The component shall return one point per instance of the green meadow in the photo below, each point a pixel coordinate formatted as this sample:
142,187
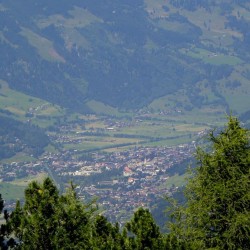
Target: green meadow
11,191
14,190
211,57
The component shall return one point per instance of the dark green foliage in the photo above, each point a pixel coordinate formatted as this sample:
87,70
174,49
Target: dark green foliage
16,136
5,230
51,221
146,233
217,212
107,236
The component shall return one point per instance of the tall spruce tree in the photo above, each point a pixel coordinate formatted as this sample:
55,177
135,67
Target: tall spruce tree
146,234
49,220
217,212
107,236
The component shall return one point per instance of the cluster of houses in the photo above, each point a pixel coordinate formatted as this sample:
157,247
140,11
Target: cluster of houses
123,180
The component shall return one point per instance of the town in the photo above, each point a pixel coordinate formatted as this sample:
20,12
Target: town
121,181
122,164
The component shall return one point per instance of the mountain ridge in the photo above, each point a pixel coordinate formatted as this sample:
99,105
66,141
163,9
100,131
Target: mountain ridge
125,55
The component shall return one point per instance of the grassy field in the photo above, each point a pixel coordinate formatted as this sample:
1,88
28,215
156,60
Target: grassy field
237,98
44,46
15,190
212,58
15,101
176,180
11,191
25,181
78,18
169,142
99,142
154,130
19,104
19,157
171,129
100,108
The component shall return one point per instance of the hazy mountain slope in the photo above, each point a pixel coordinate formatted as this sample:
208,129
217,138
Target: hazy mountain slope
127,54
18,137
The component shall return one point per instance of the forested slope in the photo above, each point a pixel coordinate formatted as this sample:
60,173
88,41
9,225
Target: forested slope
17,137
127,54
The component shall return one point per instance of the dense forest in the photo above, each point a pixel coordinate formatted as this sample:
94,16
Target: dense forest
16,136
215,215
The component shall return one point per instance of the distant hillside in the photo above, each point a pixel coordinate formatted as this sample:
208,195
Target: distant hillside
128,54
16,137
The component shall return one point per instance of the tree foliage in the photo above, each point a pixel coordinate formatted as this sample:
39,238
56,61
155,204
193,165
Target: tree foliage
49,220
147,233
5,240
217,212
108,236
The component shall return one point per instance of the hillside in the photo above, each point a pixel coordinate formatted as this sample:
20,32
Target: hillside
128,55
18,137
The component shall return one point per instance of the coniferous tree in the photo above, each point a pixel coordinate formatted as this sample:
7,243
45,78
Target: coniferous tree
107,236
146,233
49,220
5,240
217,212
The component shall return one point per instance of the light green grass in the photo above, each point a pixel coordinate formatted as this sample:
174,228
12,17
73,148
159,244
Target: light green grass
169,102
101,108
11,192
20,104
14,190
44,46
25,181
213,27
80,18
238,99
99,143
50,148
19,157
170,142
176,180
172,129
16,102
212,58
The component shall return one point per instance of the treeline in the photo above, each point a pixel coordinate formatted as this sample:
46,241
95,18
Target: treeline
215,215
16,136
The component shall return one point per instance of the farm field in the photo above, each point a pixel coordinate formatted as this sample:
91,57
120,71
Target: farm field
104,133
24,107
110,129
14,190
